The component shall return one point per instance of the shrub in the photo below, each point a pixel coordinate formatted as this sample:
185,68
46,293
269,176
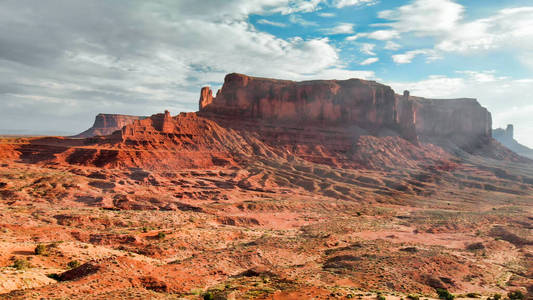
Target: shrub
21,264
475,246
161,235
516,295
413,297
473,295
41,250
497,296
444,294
74,264
209,296
381,297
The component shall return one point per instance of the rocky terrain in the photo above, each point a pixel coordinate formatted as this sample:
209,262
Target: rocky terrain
273,190
506,137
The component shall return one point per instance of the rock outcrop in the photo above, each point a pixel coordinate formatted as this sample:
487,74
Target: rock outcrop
463,122
325,103
367,105
106,124
506,137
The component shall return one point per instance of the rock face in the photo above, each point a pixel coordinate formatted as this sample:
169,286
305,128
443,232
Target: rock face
354,102
358,103
506,137
461,121
106,124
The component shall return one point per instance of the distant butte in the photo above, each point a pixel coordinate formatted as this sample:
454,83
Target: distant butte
106,124
506,137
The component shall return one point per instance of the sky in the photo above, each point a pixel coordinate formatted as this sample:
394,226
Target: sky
64,61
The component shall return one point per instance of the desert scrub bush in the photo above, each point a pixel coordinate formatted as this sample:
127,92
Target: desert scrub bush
21,264
74,264
209,296
473,295
495,297
161,235
380,297
41,250
444,294
413,297
516,295
475,246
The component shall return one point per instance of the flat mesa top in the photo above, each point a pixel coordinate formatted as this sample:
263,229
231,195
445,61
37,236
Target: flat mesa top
242,77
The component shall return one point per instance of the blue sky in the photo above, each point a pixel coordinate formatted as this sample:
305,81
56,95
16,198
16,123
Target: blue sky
61,62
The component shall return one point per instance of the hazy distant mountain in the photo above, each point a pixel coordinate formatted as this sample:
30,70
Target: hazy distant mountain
506,137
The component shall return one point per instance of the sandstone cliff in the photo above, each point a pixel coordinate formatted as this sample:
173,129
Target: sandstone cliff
463,122
106,124
325,103
354,103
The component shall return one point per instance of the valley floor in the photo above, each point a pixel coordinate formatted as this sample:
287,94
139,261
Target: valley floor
270,230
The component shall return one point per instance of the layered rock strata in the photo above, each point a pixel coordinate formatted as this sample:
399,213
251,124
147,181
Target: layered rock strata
362,106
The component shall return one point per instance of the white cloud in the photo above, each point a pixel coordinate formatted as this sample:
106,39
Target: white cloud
369,61
326,15
157,56
424,17
390,45
294,6
344,3
368,49
408,56
435,86
267,22
509,29
381,35
343,28
484,76
354,37
297,19
216,11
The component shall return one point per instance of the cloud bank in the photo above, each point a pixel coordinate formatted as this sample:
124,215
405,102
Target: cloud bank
61,62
